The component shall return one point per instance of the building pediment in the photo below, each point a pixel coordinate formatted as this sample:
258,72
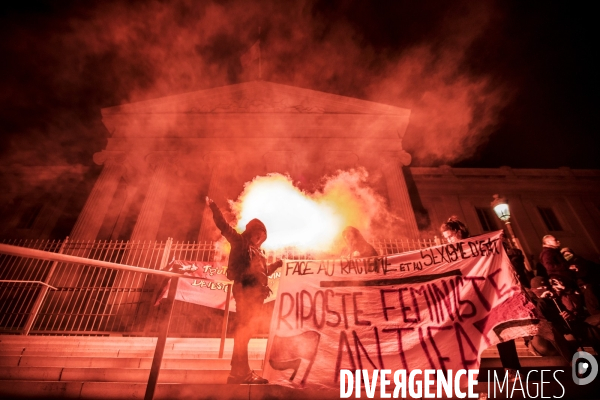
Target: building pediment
257,97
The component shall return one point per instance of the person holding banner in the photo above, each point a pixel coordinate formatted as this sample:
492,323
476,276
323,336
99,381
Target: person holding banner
586,277
247,267
563,307
356,245
454,230
544,298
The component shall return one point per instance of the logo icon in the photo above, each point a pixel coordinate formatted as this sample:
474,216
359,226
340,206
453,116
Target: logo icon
585,368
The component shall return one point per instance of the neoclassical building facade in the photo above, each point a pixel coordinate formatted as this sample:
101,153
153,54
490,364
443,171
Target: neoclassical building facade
179,148
164,155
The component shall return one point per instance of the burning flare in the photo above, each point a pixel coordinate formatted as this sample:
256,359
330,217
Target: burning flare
307,222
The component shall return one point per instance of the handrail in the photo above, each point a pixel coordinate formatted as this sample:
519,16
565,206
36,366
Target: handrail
66,258
40,282
164,328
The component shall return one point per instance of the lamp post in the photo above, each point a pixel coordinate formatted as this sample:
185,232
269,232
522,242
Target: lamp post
500,206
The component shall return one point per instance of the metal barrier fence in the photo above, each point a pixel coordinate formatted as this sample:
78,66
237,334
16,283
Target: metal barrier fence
57,298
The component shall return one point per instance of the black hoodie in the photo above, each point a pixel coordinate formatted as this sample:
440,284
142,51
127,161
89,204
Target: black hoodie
242,252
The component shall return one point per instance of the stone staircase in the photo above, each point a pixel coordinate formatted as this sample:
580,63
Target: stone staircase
117,367
78,367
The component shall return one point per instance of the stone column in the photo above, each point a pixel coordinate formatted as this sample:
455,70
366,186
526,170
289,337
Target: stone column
91,217
400,203
219,164
148,221
122,218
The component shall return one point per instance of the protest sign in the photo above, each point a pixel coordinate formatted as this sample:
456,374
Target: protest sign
437,308
208,285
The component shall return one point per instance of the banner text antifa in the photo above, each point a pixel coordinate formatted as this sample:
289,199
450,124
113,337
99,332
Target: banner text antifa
403,309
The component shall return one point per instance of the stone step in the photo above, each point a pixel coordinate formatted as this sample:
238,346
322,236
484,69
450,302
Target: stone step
116,343
135,391
104,352
139,375
527,362
207,364
125,354
89,339
6,349
167,391
164,391
211,345
115,340
115,350
116,362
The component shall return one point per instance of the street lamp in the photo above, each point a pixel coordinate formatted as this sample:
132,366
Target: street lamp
500,206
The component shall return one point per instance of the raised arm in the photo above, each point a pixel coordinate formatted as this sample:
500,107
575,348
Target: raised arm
273,267
230,234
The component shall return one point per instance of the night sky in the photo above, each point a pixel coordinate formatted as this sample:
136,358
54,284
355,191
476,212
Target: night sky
491,84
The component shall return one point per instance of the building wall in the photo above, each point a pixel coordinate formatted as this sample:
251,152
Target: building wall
42,202
572,196
165,155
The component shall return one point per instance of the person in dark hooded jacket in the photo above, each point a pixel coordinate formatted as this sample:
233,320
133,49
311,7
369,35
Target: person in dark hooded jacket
586,277
247,267
356,244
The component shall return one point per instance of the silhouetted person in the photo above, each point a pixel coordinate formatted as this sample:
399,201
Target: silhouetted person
247,267
356,245
454,230
563,307
555,266
545,299
517,259
585,277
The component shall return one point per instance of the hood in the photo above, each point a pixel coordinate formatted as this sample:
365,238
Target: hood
255,224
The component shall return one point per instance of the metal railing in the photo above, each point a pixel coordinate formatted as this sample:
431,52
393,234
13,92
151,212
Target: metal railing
90,300
94,290
29,253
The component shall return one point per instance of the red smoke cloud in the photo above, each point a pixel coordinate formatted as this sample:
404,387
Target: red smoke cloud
313,221
106,54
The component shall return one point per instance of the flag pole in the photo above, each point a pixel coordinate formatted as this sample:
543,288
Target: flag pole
259,61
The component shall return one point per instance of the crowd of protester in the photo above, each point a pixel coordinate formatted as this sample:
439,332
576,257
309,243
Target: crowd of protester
566,293
564,288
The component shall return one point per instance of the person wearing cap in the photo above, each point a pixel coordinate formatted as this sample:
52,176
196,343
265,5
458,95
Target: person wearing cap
357,246
584,276
247,267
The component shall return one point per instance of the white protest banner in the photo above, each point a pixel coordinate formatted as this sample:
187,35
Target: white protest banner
436,308
208,286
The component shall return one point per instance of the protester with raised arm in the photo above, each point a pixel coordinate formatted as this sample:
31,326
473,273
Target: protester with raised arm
247,267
